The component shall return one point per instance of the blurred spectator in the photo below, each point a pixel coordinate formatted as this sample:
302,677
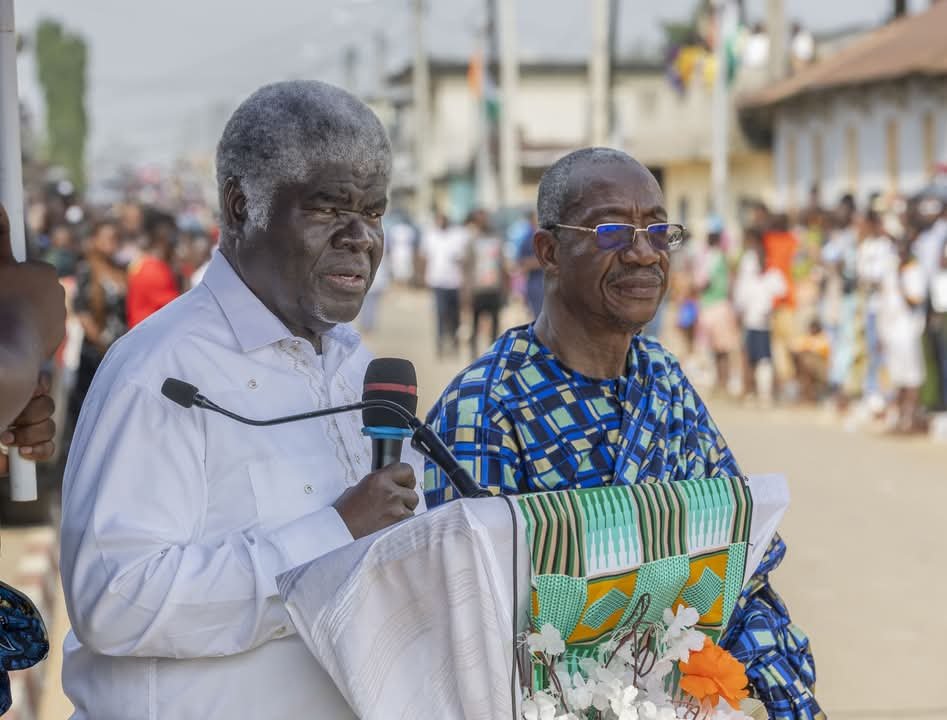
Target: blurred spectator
876,251
368,315
802,47
756,48
151,281
840,256
486,277
755,292
937,321
99,305
780,246
529,265
811,353
717,321
401,249
62,253
902,329
444,249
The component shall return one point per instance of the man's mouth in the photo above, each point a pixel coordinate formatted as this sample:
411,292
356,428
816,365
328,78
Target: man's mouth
641,285
349,281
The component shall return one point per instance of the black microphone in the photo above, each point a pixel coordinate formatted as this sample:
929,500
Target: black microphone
391,379
424,439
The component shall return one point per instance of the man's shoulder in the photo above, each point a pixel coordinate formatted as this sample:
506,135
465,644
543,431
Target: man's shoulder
167,340
656,360
489,376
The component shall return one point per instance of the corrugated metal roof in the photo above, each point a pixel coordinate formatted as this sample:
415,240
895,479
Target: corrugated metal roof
912,45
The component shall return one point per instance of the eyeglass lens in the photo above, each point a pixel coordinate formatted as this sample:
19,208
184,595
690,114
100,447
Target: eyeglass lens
662,236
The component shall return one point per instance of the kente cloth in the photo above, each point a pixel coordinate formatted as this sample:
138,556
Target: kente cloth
23,639
520,421
416,621
597,552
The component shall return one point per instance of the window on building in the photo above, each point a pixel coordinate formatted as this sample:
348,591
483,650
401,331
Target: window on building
851,158
929,131
792,171
891,154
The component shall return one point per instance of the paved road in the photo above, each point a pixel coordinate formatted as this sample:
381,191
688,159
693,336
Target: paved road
865,572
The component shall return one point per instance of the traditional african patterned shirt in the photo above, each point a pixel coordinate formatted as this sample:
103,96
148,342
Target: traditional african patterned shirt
520,421
23,640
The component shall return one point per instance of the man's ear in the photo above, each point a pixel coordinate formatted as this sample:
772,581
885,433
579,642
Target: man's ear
546,247
235,204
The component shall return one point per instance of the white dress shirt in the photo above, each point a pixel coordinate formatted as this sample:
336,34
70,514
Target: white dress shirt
176,522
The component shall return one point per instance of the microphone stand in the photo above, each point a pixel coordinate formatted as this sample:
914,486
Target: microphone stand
423,438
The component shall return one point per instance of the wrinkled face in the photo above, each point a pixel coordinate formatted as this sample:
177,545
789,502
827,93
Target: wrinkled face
624,286
317,257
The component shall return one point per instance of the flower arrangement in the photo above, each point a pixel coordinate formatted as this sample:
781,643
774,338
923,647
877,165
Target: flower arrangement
644,671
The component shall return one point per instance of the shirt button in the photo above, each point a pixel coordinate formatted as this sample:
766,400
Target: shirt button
308,489
252,384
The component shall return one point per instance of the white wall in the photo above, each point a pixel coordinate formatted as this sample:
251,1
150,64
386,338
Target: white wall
869,111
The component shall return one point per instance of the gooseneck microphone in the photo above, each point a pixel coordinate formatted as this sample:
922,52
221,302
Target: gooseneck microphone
391,379
423,438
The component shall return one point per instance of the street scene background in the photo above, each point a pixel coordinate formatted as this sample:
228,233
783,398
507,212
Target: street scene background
802,144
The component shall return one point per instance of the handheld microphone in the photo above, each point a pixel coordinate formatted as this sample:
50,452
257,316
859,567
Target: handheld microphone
423,438
392,379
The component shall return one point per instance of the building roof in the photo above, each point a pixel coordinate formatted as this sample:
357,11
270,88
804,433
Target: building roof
914,45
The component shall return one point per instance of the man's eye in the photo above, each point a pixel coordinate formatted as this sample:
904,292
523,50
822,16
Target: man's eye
326,212
373,215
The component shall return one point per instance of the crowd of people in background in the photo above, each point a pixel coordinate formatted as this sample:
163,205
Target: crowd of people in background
118,265
844,306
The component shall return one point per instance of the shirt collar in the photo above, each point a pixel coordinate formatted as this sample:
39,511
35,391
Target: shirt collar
252,323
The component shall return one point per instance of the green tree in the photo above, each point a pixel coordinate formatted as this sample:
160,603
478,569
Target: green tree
61,63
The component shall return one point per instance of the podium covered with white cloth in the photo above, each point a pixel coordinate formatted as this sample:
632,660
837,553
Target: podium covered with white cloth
417,621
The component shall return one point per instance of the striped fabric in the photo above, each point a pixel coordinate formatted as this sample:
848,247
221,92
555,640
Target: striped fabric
521,422
596,552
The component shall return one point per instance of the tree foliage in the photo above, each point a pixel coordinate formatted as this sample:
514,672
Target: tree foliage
61,64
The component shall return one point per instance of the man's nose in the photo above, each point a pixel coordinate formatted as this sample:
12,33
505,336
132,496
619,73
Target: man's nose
641,251
356,235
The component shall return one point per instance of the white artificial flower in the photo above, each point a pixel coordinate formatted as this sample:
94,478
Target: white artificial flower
683,619
623,704
579,696
548,640
680,648
607,687
648,710
539,707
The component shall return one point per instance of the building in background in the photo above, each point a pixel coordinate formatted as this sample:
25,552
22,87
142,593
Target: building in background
870,118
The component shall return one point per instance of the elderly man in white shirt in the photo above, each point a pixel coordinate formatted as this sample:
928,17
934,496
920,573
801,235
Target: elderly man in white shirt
175,522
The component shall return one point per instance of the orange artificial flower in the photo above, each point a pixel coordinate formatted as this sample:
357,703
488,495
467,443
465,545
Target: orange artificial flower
712,673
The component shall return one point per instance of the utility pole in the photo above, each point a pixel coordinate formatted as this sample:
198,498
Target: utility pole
484,170
598,73
776,29
614,130
350,68
422,109
725,16
509,77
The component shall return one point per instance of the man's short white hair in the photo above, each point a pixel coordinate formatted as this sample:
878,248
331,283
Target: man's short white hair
281,132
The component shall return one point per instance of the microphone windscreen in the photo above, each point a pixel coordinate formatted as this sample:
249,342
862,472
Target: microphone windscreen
179,391
392,379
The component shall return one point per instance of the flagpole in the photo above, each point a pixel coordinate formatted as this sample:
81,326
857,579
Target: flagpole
22,472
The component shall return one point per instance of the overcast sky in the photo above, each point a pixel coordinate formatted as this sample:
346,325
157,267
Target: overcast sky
165,74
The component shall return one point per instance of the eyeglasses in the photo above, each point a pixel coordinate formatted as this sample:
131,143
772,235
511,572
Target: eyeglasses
663,237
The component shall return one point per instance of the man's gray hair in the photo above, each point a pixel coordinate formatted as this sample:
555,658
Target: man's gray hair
553,194
282,131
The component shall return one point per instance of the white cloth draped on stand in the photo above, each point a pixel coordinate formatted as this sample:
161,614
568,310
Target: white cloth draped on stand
415,621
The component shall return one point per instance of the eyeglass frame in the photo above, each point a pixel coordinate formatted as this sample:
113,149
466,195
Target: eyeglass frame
636,230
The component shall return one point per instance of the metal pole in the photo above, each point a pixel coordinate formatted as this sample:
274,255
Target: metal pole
598,73
22,472
509,77
726,18
422,109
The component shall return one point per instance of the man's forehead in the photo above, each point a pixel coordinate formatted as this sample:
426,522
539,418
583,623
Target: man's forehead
334,177
624,185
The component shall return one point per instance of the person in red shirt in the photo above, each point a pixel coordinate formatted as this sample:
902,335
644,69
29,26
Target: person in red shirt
151,281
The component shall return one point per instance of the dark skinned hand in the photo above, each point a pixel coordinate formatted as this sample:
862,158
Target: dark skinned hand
33,430
380,499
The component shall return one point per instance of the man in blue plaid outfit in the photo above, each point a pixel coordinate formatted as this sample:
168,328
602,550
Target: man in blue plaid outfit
580,399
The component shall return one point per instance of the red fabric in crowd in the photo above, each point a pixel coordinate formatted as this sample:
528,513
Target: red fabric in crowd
151,286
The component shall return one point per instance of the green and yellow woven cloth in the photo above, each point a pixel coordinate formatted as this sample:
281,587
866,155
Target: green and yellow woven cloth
595,552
